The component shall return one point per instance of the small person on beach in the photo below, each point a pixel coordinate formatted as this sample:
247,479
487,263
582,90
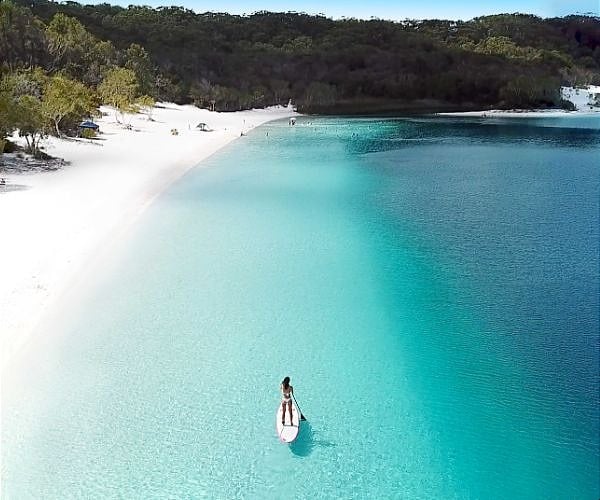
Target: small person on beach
286,398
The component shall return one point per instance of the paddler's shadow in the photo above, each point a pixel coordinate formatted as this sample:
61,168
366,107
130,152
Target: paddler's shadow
305,443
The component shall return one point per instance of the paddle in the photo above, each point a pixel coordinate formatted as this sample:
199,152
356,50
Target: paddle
302,417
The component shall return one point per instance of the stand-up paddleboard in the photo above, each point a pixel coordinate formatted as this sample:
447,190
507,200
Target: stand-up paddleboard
289,431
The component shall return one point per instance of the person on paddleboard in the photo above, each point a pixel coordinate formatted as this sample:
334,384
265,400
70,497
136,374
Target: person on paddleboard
286,398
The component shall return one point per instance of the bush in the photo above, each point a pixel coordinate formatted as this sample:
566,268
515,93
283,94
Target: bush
88,133
567,105
9,147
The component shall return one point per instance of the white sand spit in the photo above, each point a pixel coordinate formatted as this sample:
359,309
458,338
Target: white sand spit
53,223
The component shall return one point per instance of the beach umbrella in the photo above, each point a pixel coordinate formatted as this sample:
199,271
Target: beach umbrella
89,125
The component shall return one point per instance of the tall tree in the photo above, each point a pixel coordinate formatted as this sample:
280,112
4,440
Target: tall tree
72,47
119,89
102,58
6,126
138,60
63,97
30,121
23,92
22,38
145,103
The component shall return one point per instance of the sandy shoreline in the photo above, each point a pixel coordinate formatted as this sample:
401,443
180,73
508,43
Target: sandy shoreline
54,223
502,113
584,100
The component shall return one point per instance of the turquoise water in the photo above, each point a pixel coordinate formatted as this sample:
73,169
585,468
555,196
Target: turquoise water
429,284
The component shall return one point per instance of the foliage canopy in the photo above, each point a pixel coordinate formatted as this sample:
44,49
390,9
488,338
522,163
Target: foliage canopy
230,62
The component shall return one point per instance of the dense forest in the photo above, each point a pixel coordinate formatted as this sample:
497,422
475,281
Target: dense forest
63,59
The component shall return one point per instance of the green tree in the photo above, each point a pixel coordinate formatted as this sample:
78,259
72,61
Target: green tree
21,94
6,126
25,82
103,57
22,38
525,92
146,104
76,52
139,62
63,97
281,90
299,45
505,47
119,90
29,118
319,94
200,93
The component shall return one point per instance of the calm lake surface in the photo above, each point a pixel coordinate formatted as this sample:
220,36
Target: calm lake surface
429,284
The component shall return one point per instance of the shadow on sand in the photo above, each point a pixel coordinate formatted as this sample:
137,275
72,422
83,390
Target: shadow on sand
306,441
7,188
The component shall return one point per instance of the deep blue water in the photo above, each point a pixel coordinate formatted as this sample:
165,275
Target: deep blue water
430,284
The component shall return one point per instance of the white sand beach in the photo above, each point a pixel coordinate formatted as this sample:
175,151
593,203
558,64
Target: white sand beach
53,224
583,99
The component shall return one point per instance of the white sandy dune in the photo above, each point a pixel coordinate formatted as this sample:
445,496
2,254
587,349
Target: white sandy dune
53,223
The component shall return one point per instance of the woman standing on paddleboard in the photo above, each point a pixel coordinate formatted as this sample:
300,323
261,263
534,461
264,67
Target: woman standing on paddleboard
286,399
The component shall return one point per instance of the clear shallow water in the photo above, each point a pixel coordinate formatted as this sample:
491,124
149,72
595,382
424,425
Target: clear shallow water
430,285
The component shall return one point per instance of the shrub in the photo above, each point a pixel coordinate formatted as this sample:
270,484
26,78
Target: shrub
567,105
88,133
9,147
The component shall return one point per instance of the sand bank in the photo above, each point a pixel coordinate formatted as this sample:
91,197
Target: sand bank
53,223
586,101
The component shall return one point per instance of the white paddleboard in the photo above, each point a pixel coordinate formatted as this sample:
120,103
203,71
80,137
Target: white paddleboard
289,431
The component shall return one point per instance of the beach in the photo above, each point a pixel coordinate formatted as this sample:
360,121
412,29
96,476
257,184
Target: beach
54,224
583,99
384,220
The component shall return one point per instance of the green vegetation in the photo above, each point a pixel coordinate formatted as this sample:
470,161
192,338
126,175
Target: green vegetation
22,92
36,104
5,121
59,61
88,133
64,97
119,89
145,104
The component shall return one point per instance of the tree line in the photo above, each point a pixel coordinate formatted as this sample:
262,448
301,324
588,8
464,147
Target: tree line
64,59
56,74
